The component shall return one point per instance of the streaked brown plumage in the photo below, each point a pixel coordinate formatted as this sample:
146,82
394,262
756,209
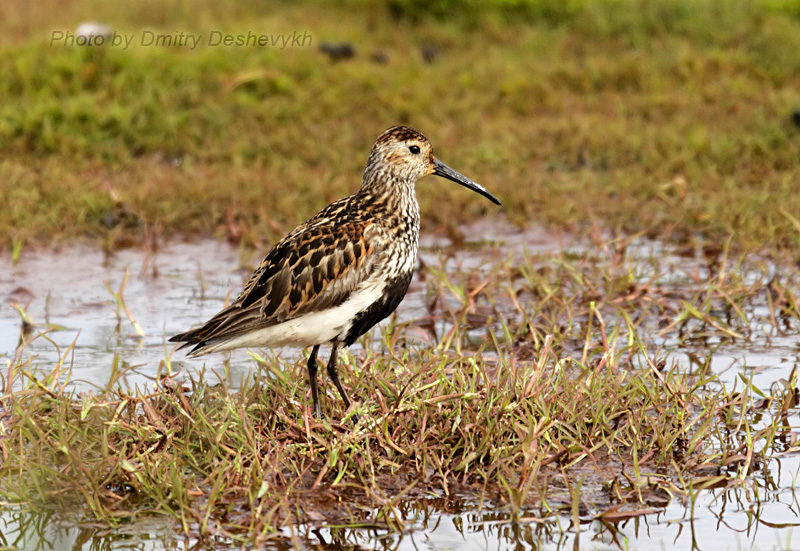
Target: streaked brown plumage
334,277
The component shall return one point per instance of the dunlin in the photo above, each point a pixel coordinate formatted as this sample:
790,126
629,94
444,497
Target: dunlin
333,278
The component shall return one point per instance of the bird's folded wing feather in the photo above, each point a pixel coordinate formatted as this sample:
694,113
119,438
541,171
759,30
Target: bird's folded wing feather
317,266
313,268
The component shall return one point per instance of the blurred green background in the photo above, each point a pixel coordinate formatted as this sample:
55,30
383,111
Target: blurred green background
673,118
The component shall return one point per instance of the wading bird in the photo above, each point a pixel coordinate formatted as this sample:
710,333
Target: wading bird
337,275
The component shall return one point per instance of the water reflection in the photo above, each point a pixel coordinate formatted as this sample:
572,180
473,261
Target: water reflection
23,530
720,519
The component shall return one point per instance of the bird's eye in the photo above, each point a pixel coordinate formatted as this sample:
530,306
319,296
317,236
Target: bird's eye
414,149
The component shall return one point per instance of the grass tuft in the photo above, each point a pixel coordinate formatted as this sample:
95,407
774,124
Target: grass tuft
545,388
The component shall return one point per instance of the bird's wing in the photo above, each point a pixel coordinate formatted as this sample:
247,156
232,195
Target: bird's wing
315,267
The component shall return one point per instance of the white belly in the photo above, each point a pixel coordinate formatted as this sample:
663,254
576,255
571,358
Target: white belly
310,329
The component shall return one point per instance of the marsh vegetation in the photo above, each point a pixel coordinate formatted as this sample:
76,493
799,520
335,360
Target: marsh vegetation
621,342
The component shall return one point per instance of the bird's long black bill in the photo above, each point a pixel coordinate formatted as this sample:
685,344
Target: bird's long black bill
441,169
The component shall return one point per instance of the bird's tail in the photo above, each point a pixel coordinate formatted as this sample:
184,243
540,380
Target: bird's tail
219,331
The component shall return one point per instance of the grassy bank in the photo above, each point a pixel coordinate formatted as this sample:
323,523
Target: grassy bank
551,388
670,118
546,394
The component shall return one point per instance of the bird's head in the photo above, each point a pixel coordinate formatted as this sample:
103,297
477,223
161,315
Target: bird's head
403,154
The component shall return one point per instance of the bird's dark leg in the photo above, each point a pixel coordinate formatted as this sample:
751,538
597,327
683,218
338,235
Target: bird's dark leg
333,372
312,375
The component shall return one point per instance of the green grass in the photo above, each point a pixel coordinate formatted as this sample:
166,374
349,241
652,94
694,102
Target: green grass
546,382
670,120
664,117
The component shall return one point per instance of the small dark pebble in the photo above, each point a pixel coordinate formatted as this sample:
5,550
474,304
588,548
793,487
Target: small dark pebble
338,52
120,215
796,118
429,53
380,58
110,219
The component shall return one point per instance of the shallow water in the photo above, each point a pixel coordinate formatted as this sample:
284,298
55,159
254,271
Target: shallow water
182,284
167,292
719,521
